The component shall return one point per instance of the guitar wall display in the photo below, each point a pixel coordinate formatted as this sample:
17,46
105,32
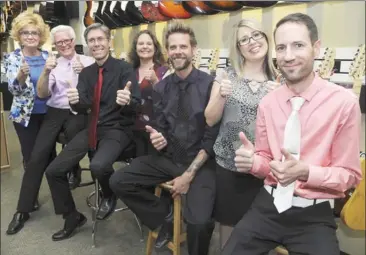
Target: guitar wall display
325,69
116,14
357,69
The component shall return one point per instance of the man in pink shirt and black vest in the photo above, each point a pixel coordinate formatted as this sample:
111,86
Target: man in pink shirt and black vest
306,148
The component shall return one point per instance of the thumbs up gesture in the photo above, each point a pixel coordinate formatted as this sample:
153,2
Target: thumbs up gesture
77,66
156,138
226,87
51,62
289,169
244,155
150,76
124,95
24,69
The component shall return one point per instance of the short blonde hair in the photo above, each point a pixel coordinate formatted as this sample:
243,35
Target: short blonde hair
28,18
237,60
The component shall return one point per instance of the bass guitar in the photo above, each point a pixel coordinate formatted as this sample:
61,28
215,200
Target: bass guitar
224,5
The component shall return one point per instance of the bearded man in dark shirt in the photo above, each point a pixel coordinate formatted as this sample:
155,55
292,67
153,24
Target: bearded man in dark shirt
185,144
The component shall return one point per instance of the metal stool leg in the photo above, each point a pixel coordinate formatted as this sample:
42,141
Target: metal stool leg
95,209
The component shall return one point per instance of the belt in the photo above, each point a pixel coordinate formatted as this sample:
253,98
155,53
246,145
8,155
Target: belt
300,201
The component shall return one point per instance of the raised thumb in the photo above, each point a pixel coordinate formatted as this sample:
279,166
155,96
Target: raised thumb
128,86
287,155
149,129
78,58
224,75
244,140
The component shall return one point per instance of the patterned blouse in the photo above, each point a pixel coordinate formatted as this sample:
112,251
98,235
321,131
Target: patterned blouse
239,114
24,95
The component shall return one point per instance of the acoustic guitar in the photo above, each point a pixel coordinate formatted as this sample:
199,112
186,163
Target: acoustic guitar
88,20
173,9
150,11
224,5
198,8
353,212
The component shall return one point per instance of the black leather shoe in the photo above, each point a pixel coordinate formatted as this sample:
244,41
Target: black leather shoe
75,178
107,207
36,206
17,223
70,226
166,232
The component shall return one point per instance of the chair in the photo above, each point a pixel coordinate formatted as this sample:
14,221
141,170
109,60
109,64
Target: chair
178,237
126,157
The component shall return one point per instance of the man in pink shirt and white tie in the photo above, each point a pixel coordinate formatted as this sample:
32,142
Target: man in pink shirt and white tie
306,148
58,76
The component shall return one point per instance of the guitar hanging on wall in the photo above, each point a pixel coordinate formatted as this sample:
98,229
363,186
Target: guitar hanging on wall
357,69
150,11
325,69
88,19
198,8
173,9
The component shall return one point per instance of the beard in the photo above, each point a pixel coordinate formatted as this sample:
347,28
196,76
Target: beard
185,64
297,76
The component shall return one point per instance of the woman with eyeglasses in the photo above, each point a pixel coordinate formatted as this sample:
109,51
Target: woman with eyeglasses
235,96
23,67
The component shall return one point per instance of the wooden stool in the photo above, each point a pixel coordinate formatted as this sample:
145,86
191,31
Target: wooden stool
281,250
178,237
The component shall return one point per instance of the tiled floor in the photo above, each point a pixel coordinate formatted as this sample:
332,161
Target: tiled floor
118,235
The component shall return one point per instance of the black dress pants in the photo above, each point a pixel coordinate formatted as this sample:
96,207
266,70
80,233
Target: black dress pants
133,184
310,230
44,150
111,143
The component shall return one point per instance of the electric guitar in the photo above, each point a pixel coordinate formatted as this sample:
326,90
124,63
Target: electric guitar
196,61
224,5
88,20
119,13
150,11
133,11
198,7
257,3
214,59
173,9
325,69
353,212
357,69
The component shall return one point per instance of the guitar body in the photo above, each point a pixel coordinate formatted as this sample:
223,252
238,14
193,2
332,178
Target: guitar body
224,5
173,9
88,20
151,12
134,13
108,19
353,212
198,7
256,3
120,14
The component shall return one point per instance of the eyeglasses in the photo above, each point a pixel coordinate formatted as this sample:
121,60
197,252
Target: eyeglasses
256,35
63,42
28,33
94,40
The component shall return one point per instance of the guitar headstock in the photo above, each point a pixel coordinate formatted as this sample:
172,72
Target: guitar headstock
214,59
196,61
111,50
357,68
325,69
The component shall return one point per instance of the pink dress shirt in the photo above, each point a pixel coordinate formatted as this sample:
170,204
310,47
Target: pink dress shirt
330,138
57,81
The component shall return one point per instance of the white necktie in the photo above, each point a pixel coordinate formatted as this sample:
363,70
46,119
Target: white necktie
283,195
